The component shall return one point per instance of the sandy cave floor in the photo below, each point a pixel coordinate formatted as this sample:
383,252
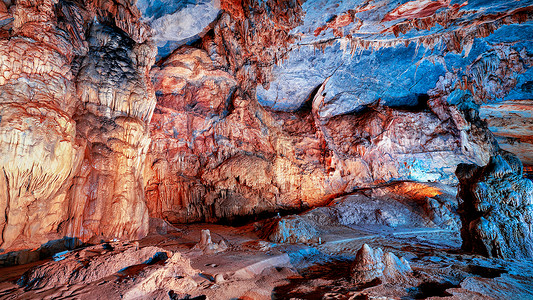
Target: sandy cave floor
252,268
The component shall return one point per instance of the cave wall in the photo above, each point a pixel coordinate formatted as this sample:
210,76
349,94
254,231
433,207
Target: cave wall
75,102
252,106
345,96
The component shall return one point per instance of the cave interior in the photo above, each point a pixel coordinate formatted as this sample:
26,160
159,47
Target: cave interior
266,149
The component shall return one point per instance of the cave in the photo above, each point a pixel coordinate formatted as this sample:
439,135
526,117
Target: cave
266,149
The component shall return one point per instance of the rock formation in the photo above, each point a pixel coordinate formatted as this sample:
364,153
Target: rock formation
75,102
117,98
510,121
174,275
405,204
293,229
261,106
162,271
496,209
373,264
40,152
89,264
207,246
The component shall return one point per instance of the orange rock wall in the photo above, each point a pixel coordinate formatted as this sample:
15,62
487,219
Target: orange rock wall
217,154
75,99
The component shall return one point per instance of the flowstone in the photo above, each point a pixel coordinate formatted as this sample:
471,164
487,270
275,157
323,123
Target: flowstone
496,209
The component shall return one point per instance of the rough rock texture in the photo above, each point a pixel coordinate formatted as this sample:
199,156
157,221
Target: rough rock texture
373,264
406,204
462,53
174,275
510,121
89,264
208,129
38,147
156,270
118,101
273,105
175,23
497,208
74,102
207,136
397,53
293,229
207,246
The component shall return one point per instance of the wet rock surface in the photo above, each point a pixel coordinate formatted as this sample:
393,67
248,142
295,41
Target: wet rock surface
496,208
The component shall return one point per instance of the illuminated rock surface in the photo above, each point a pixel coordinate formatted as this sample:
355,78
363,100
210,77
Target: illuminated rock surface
354,114
497,209
176,23
371,264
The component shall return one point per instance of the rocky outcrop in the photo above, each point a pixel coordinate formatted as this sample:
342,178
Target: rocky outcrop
371,264
39,149
207,246
161,270
75,98
397,53
510,121
293,229
276,105
174,275
206,141
496,209
406,204
89,264
118,101
176,23
217,154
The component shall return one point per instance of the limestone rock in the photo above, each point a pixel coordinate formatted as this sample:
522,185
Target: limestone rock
510,121
39,150
198,166
89,264
117,102
75,98
293,229
175,23
373,264
39,156
175,275
207,246
392,144
396,52
405,204
107,198
122,14
207,132
113,77
496,209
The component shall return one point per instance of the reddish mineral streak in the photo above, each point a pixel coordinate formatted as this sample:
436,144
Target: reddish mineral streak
417,9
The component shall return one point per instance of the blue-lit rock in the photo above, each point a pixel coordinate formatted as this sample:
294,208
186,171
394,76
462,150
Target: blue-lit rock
175,23
367,57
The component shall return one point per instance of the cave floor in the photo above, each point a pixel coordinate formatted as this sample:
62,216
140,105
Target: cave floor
252,268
